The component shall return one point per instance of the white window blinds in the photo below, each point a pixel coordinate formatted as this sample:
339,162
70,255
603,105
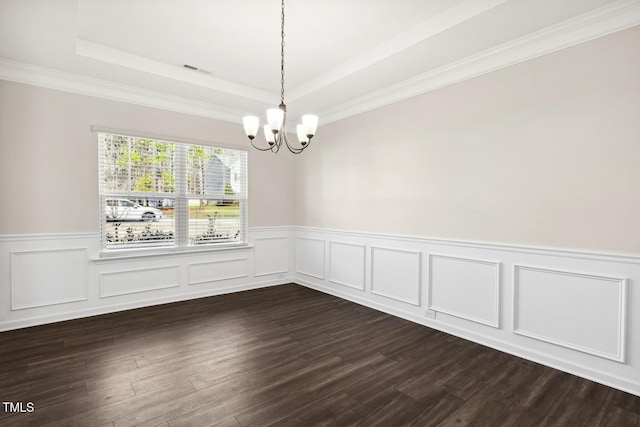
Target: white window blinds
160,193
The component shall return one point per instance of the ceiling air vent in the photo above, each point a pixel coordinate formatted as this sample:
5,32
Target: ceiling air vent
191,67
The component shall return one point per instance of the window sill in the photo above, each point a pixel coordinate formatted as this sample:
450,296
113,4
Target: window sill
126,254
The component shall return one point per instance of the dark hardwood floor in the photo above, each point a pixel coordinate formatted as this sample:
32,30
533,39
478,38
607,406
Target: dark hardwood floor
287,356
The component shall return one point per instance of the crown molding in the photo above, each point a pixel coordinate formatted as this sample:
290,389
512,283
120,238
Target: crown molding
433,26
612,18
118,57
69,82
615,17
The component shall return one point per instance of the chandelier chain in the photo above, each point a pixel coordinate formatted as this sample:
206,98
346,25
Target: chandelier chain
275,131
282,55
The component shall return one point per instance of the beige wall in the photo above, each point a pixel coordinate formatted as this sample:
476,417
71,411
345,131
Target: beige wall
544,153
48,159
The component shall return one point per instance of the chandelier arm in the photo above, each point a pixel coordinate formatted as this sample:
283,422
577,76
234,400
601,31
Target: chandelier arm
294,150
283,136
270,148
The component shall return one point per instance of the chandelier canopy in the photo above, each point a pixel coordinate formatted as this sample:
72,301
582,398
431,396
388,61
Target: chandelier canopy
275,130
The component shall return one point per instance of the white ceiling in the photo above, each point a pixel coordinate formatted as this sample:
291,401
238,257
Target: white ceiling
343,57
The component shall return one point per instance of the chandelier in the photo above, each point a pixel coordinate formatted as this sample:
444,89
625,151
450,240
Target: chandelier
275,130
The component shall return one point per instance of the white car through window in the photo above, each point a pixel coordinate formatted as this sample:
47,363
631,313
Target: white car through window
126,210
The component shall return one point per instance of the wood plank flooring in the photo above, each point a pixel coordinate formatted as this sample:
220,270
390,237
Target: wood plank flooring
286,356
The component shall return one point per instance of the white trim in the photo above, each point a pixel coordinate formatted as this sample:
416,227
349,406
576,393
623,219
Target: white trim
121,58
135,270
133,253
622,316
12,284
77,314
603,21
603,370
46,236
432,26
269,273
271,228
166,138
384,294
271,237
536,250
324,250
189,265
364,265
75,83
430,306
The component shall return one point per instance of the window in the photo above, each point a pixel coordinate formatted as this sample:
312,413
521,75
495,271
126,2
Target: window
167,194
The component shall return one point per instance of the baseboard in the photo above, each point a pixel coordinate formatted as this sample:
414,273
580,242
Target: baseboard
77,314
543,359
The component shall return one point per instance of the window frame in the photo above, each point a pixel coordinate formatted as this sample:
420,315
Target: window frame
181,238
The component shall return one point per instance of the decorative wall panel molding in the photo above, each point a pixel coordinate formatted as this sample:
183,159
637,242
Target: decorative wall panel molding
271,255
310,257
48,277
466,288
125,282
597,300
396,274
579,311
347,264
52,277
215,271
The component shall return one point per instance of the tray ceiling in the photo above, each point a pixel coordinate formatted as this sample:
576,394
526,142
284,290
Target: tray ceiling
343,57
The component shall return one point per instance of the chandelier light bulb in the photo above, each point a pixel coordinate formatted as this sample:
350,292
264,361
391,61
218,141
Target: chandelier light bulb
251,125
302,135
310,123
275,117
269,135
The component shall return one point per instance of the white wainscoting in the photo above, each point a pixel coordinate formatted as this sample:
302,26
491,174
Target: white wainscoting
124,282
598,325
347,264
529,302
571,310
310,257
272,255
466,288
396,274
48,278
215,271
